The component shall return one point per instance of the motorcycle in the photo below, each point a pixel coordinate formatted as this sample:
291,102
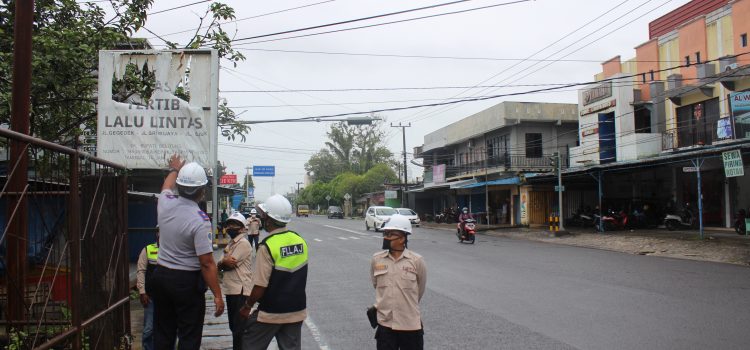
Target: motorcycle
581,219
739,222
439,218
468,233
674,222
615,221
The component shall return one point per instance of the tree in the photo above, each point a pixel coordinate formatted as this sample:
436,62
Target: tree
354,148
67,36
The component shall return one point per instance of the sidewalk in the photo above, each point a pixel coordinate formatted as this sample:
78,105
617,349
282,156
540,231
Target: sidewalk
720,245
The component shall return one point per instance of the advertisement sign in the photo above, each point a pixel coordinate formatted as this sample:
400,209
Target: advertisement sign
391,194
230,179
264,170
597,93
740,104
724,129
142,132
733,166
251,192
438,173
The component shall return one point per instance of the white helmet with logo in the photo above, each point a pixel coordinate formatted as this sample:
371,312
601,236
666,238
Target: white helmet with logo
278,208
237,216
192,175
253,211
398,222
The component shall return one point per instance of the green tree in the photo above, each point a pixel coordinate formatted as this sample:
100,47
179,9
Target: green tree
67,36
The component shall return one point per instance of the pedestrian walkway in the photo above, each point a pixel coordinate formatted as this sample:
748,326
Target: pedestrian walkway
216,333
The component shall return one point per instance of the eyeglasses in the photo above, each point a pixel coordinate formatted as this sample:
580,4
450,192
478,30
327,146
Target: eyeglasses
388,234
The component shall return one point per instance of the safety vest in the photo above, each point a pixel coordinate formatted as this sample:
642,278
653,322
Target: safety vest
152,253
286,287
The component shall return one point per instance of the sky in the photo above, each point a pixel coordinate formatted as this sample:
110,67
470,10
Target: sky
513,45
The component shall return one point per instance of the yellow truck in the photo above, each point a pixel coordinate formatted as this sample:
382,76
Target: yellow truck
303,210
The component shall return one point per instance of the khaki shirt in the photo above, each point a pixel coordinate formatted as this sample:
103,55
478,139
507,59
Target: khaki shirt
140,275
399,286
238,280
262,275
253,226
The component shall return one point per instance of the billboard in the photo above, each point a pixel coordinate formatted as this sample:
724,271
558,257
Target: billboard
740,103
264,170
142,132
229,179
438,173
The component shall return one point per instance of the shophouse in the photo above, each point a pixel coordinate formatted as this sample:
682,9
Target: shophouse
480,162
653,123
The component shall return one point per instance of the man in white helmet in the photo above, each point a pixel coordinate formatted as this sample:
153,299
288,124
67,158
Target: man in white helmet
399,276
279,278
253,228
185,264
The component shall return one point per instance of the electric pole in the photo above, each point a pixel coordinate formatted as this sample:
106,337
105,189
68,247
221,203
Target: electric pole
296,198
403,136
557,163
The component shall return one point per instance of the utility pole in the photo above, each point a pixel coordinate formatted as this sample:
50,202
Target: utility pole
557,162
17,212
247,184
403,135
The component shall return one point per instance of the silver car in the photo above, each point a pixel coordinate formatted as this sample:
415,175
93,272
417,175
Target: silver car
376,216
413,217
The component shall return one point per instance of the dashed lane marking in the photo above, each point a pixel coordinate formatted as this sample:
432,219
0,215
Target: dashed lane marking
316,333
347,230
317,240
352,237
342,238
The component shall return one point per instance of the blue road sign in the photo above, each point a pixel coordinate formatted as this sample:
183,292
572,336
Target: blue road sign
264,170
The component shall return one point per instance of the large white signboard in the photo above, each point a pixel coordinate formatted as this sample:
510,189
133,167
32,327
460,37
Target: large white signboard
143,133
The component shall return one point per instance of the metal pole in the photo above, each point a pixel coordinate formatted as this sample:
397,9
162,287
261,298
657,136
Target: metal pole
16,244
74,239
486,187
601,224
560,190
698,163
403,136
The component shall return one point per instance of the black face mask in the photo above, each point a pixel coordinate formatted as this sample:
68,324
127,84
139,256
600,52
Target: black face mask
386,244
233,232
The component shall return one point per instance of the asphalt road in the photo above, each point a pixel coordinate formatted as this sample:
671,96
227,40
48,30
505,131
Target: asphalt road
513,294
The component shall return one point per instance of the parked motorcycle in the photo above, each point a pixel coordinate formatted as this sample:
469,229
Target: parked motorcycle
581,219
686,220
739,222
468,233
615,221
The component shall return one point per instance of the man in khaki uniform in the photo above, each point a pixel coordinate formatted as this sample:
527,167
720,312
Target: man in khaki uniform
253,228
237,264
399,277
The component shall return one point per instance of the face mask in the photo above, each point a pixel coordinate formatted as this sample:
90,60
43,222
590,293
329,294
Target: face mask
233,232
386,244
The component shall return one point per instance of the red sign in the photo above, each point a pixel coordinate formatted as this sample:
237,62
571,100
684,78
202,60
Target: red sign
230,179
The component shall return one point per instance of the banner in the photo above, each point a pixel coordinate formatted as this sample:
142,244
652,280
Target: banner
264,170
229,179
740,103
142,132
438,173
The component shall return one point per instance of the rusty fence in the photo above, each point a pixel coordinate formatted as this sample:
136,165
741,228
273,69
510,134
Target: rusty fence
64,267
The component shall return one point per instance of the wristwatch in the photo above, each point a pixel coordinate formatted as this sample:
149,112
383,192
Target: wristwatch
171,169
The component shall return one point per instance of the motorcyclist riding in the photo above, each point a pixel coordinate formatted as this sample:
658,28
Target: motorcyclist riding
465,215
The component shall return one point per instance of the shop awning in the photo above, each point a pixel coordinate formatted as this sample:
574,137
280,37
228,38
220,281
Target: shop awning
462,183
508,181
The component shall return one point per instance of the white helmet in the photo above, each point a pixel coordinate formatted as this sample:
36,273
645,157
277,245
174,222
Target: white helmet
192,175
237,216
253,211
398,222
278,208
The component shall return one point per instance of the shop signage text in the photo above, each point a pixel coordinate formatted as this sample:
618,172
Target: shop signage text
229,179
733,166
597,93
599,107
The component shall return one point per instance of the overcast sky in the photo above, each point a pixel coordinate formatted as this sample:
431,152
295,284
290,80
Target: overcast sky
502,35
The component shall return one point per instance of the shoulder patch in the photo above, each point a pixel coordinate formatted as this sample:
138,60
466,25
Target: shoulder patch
203,215
172,196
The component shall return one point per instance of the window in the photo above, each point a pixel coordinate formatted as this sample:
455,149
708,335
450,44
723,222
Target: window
534,145
743,40
698,57
687,60
642,120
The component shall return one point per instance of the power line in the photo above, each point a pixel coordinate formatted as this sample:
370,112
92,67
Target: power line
375,25
350,21
360,54
252,17
176,7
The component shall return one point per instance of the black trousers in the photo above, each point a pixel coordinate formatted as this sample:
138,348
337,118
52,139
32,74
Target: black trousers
253,240
236,323
180,305
388,339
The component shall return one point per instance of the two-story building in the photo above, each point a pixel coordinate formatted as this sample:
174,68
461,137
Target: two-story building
480,162
651,122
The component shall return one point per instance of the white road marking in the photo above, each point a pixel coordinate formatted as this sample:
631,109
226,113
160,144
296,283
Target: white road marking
352,237
343,238
346,229
316,333
373,236
317,240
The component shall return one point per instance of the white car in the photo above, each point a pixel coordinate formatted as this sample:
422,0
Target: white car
375,217
413,217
